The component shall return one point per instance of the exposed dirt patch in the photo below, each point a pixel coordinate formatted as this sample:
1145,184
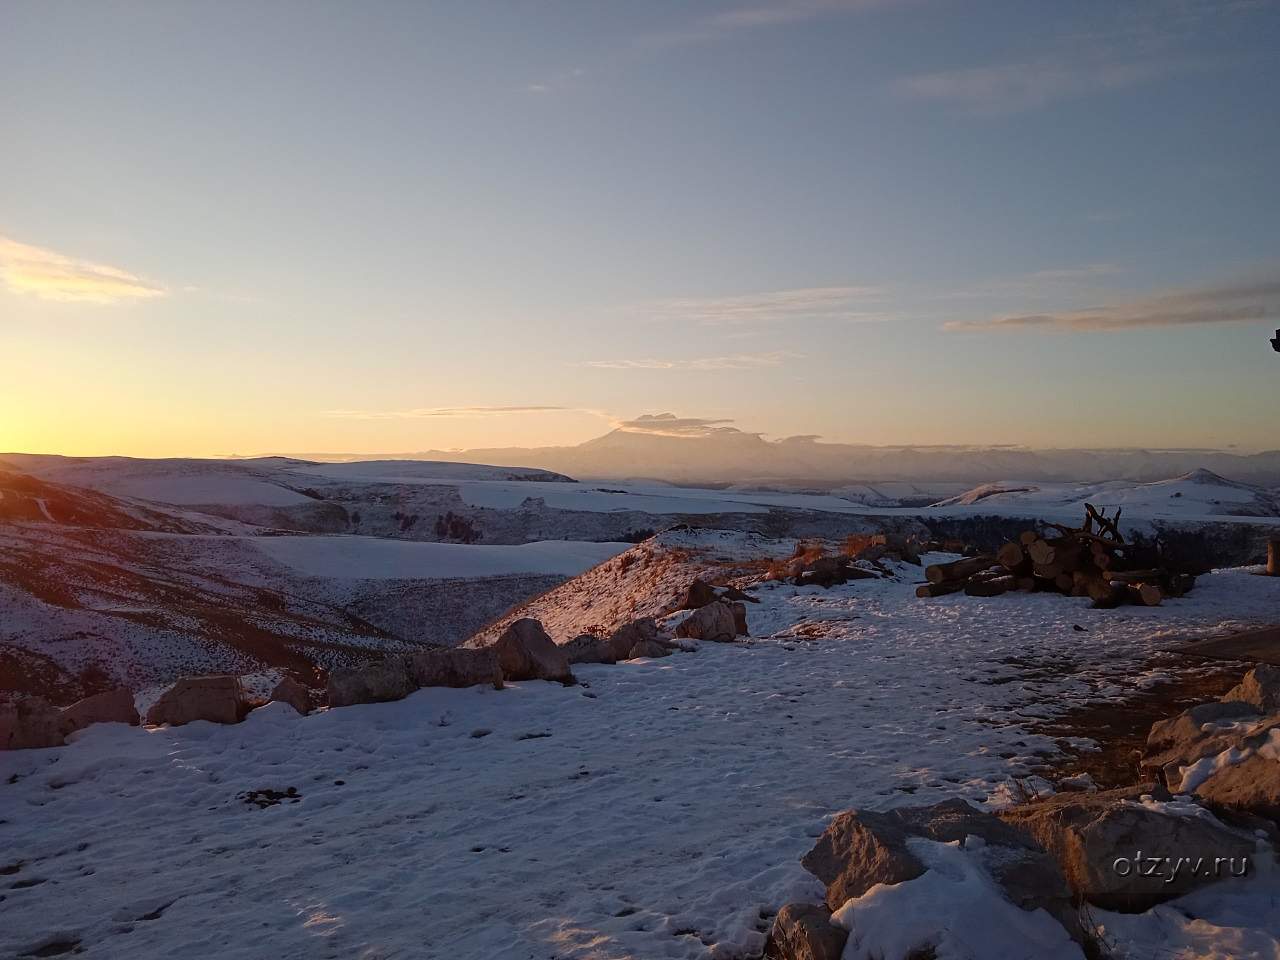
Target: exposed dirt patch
1120,728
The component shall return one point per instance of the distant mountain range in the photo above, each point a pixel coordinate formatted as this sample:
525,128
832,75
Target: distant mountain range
729,456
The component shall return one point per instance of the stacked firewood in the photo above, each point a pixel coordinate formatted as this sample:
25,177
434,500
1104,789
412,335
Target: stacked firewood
1090,561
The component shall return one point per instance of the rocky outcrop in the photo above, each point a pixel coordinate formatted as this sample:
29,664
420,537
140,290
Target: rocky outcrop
290,691
395,677
862,848
830,572
32,724
218,699
455,667
804,931
111,706
526,652
1225,753
623,640
588,648
718,622
699,594
1260,689
1204,730
1120,854
378,681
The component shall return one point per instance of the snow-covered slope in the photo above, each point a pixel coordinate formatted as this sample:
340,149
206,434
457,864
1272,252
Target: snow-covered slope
96,589
1199,493
660,810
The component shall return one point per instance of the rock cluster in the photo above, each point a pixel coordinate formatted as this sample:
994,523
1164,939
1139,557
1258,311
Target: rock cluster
524,651
1225,753
33,723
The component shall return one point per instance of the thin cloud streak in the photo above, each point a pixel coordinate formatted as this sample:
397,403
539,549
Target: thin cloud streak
740,361
428,413
776,13
1013,87
809,303
1039,284
1249,301
48,275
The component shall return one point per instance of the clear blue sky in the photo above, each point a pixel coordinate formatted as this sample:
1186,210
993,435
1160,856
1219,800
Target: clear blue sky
247,227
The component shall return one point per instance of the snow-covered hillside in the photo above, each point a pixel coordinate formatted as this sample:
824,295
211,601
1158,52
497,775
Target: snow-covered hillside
1197,494
658,810
97,589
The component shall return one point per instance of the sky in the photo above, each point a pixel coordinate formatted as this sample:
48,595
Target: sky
243,228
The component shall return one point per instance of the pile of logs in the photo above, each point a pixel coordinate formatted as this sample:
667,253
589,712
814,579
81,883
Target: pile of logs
1091,561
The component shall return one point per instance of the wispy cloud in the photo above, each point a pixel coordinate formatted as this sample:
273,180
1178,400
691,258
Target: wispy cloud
557,81
1248,301
810,303
428,413
769,13
669,425
1038,284
48,275
790,11
1011,87
737,361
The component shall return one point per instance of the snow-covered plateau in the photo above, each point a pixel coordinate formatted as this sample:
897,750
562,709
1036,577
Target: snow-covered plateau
657,809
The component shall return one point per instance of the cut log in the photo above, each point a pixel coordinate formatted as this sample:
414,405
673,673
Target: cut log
1011,556
939,589
989,586
1136,576
1144,594
1040,552
958,569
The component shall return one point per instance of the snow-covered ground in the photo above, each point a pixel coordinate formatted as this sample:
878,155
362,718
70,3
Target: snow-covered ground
376,558
658,810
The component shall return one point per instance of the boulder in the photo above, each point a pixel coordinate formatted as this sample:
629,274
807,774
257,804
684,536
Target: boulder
623,640
649,648
219,699
112,706
526,652
862,848
1204,730
1260,689
1183,749
715,622
699,594
1119,854
458,667
290,691
32,724
804,931
377,681
1250,786
589,649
